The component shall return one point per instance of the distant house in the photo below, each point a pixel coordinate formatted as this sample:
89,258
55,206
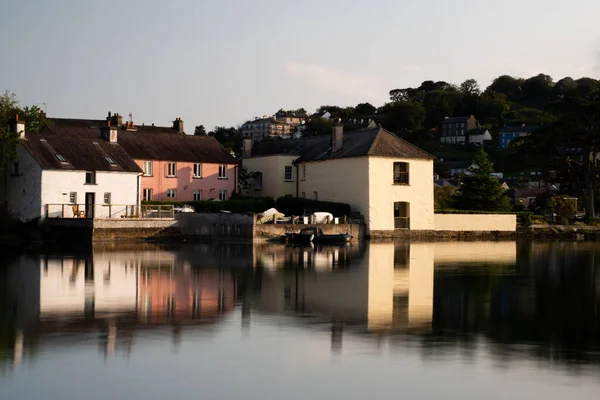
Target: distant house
526,196
176,166
388,180
69,171
265,127
456,129
510,133
478,136
292,119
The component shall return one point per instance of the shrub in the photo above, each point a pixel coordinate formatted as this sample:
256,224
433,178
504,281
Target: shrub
297,206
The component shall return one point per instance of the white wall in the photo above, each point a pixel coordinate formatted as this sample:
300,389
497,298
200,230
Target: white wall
56,186
23,192
273,175
476,222
345,180
383,193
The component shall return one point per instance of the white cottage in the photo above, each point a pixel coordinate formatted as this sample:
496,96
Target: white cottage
388,180
69,171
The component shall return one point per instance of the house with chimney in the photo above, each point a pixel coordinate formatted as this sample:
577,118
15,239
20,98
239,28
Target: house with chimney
385,178
175,166
69,171
463,130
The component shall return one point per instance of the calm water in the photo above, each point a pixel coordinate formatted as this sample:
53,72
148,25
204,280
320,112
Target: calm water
468,320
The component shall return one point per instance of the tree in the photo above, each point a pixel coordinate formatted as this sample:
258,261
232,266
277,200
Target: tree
507,85
537,90
316,126
199,131
9,107
470,87
479,190
402,117
245,179
364,109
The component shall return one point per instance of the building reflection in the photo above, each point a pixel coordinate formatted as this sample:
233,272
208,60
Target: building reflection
115,292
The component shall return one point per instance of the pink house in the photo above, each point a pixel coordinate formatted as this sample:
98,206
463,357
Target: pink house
179,167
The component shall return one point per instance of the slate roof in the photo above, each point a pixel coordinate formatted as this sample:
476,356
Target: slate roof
81,148
372,142
518,129
169,147
455,119
98,123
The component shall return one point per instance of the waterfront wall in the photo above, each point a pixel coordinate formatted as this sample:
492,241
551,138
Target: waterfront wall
217,225
271,231
475,222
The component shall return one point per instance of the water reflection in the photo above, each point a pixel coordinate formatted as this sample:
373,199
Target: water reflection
520,300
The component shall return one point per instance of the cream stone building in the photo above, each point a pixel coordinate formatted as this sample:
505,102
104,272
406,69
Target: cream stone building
388,180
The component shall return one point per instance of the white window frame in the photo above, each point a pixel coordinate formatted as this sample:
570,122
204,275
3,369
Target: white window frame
92,175
223,195
197,195
197,170
222,171
147,194
258,181
285,173
107,198
171,170
148,168
303,176
171,193
72,197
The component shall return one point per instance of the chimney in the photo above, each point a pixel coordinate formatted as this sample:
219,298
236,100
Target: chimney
247,147
109,133
337,136
178,125
116,120
42,115
17,127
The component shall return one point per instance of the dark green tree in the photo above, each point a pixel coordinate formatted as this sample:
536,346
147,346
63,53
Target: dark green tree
199,131
480,191
402,117
9,108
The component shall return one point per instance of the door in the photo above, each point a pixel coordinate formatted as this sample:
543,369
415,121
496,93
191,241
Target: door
90,200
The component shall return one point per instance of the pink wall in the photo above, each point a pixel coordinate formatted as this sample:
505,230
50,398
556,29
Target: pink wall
185,183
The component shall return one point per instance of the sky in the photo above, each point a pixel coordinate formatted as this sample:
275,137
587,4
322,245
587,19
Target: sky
222,62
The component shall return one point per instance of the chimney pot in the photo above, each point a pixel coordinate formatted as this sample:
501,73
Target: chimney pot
247,147
337,137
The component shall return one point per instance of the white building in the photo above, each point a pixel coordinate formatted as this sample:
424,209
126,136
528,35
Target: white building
69,171
388,180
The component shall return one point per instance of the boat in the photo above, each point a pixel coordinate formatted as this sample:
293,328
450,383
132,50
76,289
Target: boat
316,235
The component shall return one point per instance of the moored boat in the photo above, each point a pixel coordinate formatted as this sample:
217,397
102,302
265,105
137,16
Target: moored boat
316,235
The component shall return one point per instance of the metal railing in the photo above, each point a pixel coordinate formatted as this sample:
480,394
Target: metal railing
109,211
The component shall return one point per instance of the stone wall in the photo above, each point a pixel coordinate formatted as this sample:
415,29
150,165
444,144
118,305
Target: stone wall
215,226
272,231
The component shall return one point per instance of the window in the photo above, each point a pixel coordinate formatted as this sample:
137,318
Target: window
258,181
61,158
14,171
400,173
106,198
401,215
171,169
110,160
197,170
303,195
303,172
223,195
288,173
316,195
197,195
171,193
147,168
147,195
73,198
90,177
222,171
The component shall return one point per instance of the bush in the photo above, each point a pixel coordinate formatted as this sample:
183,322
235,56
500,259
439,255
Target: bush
297,206
239,205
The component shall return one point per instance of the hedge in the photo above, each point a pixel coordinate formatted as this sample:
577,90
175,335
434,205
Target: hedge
237,205
524,218
297,206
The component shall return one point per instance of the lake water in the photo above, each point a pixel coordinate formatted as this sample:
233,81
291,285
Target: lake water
451,320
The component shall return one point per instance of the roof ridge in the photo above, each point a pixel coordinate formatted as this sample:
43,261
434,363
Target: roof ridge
401,140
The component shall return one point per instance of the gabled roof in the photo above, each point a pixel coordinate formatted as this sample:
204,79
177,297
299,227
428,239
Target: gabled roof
169,147
372,142
456,119
519,129
77,148
147,142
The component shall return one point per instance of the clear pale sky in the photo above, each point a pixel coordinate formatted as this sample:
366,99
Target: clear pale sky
222,62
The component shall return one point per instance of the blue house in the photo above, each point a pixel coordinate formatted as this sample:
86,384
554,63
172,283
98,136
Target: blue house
510,133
